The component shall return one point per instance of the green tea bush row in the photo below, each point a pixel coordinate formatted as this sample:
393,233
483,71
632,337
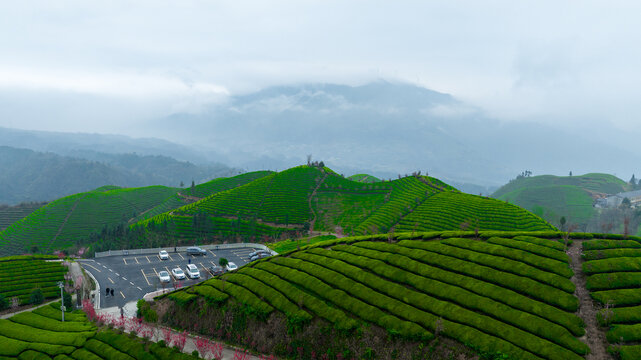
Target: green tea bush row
44,323
242,295
620,264
33,355
211,294
614,280
27,333
627,352
53,311
277,300
610,244
182,298
552,244
440,308
531,248
545,264
513,299
623,315
13,347
318,307
624,333
131,347
83,354
618,297
611,253
359,308
106,351
523,285
468,300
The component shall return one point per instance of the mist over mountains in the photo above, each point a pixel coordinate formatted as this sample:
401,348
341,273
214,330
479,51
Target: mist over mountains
388,129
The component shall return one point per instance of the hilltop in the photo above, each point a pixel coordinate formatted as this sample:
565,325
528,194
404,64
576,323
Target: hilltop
552,197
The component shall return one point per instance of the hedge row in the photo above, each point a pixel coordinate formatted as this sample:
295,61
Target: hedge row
614,280
468,300
33,355
624,315
82,354
53,311
610,244
513,299
132,347
628,352
352,305
13,347
182,298
552,244
536,249
318,307
624,333
610,253
27,333
618,297
242,295
277,300
45,323
105,350
444,309
545,264
620,264
211,294
523,285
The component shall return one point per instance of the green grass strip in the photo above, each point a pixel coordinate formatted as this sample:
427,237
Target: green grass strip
318,307
610,244
531,248
610,253
518,301
360,309
469,300
613,280
618,297
612,265
45,323
523,285
525,257
382,299
445,309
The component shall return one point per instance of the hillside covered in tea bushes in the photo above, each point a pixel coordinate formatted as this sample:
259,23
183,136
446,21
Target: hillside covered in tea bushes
501,293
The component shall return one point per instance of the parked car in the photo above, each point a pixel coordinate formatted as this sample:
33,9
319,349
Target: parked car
195,251
163,276
216,270
192,271
163,255
178,273
259,256
257,252
231,266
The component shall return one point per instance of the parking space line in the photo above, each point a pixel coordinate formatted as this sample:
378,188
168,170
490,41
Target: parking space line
117,274
143,274
123,295
104,266
155,272
212,252
138,287
109,280
181,256
124,278
95,268
125,260
111,270
136,260
132,284
147,257
213,263
170,258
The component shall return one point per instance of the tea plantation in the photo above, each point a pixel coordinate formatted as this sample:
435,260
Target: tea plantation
503,293
614,279
11,214
20,275
41,334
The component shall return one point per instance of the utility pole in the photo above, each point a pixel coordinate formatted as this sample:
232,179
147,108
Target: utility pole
62,299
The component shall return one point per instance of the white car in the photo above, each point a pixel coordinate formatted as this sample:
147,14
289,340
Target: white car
178,273
163,255
192,271
231,266
163,276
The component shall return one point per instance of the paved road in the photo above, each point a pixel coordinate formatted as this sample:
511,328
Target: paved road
131,276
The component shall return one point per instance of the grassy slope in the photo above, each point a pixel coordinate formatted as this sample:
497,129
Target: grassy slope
281,200
554,196
364,178
512,296
41,335
11,214
77,216
222,184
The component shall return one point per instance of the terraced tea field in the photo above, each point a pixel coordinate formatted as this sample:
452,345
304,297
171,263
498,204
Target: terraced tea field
504,293
20,275
11,214
222,184
41,334
614,279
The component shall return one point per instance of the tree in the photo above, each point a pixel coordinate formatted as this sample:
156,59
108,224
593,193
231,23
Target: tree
562,221
626,203
193,186
37,297
633,181
570,173
223,262
182,184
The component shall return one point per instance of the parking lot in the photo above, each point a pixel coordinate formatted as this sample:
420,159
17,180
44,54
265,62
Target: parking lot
132,276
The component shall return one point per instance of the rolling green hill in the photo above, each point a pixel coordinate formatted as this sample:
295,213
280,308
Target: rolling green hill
364,178
311,198
504,294
552,197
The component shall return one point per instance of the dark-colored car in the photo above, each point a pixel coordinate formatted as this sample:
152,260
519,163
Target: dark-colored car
216,270
258,252
260,256
195,250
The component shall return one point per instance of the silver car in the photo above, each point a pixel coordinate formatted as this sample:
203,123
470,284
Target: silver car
164,277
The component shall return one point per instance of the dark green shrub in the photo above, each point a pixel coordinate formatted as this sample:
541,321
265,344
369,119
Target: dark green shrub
619,264
610,244
618,297
610,253
4,303
36,297
615,280
195,353
67,300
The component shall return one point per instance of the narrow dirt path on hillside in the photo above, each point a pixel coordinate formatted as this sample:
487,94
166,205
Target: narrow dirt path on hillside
311,208
594,337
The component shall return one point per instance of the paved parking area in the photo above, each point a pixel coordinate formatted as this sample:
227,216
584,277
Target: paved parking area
132,276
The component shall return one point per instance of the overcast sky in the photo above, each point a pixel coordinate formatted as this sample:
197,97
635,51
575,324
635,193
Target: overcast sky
99,66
